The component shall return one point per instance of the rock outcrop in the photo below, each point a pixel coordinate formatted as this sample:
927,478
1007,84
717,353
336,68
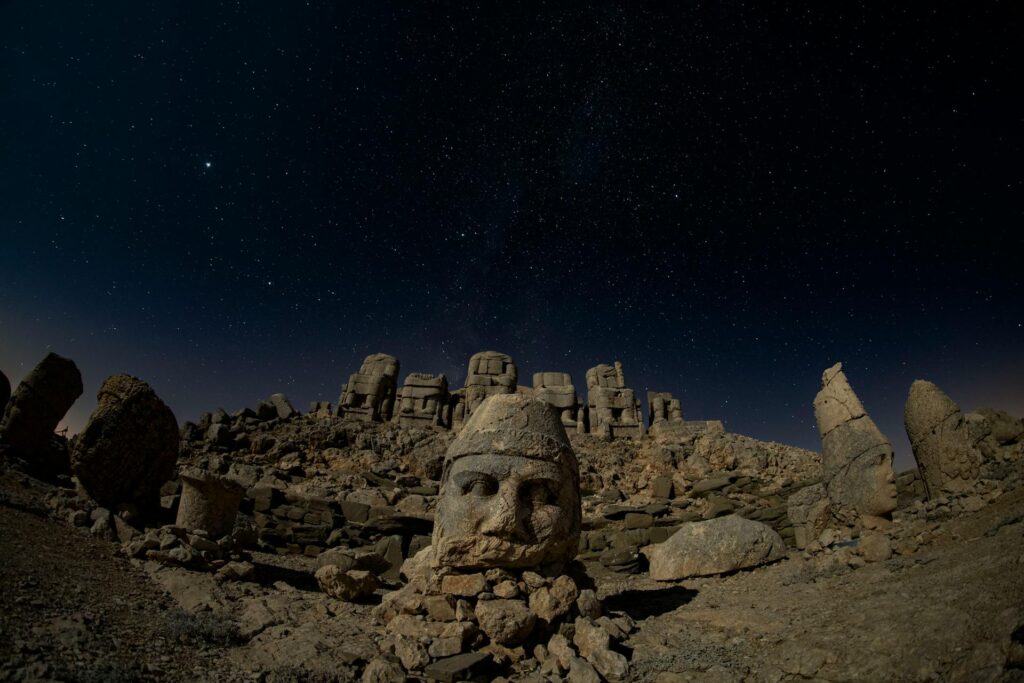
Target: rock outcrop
715,546
129,447
35,409
940,439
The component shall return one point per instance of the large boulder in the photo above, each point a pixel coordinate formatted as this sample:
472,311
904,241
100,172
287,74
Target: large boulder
940,439
129,447
34,411
715,546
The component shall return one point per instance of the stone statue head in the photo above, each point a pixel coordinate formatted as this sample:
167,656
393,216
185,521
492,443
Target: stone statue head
510,490
866,486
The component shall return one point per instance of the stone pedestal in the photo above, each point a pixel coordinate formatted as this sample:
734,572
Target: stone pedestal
208,502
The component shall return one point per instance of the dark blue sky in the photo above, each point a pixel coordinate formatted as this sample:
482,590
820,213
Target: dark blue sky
233,199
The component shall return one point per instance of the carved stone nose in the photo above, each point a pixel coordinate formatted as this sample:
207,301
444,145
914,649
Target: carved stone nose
504,521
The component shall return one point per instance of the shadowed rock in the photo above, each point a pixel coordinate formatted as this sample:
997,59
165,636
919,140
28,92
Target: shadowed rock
856,457
129,447
940,439
714,547
5,392
34,411
510,489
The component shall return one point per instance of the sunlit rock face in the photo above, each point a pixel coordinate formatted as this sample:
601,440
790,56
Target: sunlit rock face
856,457
510,492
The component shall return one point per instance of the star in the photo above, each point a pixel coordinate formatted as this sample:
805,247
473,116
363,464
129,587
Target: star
207,164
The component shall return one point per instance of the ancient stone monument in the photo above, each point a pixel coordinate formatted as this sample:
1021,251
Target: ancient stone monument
129,447
614,409
424,401
662,408
509,491
940,439
490,373
557,390
208,502
858,480
369,395
34,411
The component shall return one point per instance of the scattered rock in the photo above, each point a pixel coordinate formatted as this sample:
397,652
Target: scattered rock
714,547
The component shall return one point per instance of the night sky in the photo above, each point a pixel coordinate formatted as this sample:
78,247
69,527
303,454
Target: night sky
232,199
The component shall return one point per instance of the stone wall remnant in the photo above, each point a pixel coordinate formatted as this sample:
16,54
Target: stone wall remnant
490,373
613,409
424,401
35,409
369,395
557,390
129,446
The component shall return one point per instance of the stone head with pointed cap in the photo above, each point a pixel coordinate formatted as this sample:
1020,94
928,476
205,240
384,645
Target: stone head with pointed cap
510,491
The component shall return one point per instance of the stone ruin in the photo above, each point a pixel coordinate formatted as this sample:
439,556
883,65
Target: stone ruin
498,581
369,395
614,410
34,410
490,373
662,408
858,484
557,390
424,401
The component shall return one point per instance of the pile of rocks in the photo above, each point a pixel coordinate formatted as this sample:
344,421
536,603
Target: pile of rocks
194,549
547,624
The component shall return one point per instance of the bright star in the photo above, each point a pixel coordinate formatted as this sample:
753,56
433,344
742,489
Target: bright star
207,164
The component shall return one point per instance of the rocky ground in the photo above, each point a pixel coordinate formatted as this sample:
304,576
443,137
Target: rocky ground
939,595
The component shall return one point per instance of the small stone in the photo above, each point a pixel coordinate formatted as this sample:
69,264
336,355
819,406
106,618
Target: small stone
559,648
411,653
588,605
381,670
874,546
533,580
549,603
580,671
465,585
457,668
346,585
506,622
506,589
445,647
592,642
439,608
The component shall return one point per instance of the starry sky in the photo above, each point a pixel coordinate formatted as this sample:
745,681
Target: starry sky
229,199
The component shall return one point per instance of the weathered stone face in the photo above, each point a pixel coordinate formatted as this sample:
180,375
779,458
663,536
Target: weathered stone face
424,401
510,490
369,394
856,457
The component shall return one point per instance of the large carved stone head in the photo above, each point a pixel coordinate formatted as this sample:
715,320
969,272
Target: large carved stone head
510,491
